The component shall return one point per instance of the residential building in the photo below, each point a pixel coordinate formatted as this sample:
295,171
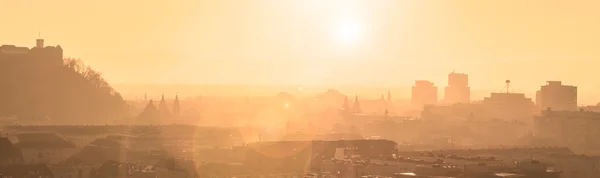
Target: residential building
557,97
43,148
575,129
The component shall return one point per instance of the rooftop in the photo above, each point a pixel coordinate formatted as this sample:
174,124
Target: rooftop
42,140
571,114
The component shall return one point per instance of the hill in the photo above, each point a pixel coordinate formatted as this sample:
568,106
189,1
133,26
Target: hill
67,93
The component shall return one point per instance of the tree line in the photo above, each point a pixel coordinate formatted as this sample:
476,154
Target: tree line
70,93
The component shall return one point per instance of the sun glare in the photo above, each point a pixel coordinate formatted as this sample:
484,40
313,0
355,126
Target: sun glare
347,31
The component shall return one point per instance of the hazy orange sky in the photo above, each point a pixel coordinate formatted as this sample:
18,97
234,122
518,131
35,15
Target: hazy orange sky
321,42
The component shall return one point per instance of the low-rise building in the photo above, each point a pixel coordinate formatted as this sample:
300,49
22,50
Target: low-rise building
557,96
498,106
43,148
576,129
9,154
32,170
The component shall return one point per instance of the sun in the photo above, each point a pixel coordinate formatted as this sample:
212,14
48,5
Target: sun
347,31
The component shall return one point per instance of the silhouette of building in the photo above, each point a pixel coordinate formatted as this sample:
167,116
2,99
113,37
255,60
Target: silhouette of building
40,54
34,170
576,129
374,106
556,96
346,105
509,106
43,148
149,114
498,106
297,153
592,108
163,108
10,154
424,93
176,107
356,106
458,90
458,111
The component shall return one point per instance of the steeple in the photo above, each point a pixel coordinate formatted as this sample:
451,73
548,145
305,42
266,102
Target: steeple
163,108
176,107
346,105
381,98
356,106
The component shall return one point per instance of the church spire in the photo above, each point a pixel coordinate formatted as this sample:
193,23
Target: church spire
346,105
176,107
389,97
356,106
163,108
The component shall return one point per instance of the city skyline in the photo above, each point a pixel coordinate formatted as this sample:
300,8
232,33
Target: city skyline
299,89
457,87
383,43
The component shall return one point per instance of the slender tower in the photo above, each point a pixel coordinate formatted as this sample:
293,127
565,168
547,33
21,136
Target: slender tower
176,107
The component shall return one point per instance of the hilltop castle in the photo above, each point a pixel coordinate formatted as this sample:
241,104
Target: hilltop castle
40,54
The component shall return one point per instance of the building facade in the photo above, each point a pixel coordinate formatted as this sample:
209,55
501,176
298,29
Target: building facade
576,129
424,93
509,106
43,148
458,90
557,97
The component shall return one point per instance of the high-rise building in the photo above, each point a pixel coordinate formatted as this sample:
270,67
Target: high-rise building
424,93
556,96
458,90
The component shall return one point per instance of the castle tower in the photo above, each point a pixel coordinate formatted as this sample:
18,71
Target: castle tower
389,97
